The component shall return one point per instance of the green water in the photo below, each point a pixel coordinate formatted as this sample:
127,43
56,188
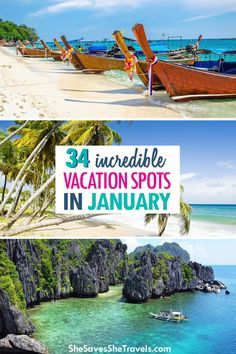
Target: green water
107,319
215,213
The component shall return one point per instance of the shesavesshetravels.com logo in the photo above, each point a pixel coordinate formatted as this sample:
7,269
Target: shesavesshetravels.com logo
124,348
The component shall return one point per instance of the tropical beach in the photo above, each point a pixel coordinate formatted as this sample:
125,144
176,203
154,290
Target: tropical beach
54,90
28,174
112,284
135,78
40,88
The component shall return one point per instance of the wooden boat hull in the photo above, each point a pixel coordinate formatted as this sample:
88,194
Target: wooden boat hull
95,64
74,59
184,83
57,56
33,52
193,83
98,64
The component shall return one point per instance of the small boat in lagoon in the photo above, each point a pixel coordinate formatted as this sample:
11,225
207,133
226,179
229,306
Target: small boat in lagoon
169,316
185,83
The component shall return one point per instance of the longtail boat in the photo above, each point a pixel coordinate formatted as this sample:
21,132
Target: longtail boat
33,52
141,67
90,63
94,63
184,83
73,57
55,54
188,50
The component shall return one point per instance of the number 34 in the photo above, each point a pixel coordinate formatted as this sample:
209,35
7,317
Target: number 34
77,158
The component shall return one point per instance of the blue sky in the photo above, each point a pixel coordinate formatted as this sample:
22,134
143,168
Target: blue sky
207,252
99,18
208,160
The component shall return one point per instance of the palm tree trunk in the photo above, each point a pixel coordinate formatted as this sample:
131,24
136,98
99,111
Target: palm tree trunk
57,221
4,186
17,197
46,205
40,211
31,218
29,202
29,160
13,134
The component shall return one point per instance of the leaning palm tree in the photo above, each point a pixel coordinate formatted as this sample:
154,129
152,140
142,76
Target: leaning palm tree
162,219
35,139
78,133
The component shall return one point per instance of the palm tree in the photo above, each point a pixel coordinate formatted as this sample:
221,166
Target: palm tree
15,131
90,132
78,133
35,141
8,161
162,219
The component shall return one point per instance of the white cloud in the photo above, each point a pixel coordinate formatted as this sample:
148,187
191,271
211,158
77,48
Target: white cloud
197,252
57,6
208,8
209,190
131,242
230,165
201,10
188,175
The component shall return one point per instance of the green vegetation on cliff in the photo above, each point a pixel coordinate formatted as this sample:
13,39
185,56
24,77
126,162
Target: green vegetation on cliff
9,279
187,273
11,31
46,268
161,270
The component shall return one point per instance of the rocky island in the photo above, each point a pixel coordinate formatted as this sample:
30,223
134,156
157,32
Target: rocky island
33,271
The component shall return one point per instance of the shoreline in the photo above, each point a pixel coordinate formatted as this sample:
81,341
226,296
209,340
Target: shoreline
121,226
41,88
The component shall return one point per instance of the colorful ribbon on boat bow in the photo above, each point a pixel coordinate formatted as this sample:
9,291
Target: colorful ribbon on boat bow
67,54
150,74
130,66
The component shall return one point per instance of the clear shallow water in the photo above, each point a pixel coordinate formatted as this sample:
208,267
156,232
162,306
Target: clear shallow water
108,320
225,108
216,213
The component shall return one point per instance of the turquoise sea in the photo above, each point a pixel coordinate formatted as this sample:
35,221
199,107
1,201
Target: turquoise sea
215,213
108,319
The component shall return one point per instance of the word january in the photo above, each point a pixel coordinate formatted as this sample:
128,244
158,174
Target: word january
118,201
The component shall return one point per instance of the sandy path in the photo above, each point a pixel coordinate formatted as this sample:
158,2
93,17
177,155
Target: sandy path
42,88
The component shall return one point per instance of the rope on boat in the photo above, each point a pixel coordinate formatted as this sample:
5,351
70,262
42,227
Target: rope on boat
150,74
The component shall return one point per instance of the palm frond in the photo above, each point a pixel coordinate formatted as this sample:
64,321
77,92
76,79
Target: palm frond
149,217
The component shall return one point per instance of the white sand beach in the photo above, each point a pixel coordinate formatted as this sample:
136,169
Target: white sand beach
129,225
33,88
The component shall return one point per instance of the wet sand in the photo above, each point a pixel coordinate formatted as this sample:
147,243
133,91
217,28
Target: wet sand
41,88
